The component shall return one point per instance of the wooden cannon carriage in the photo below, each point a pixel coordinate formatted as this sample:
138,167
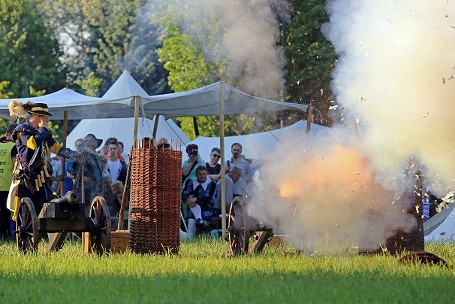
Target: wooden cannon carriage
241,226
61,216
241,229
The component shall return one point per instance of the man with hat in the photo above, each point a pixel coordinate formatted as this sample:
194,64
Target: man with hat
92,175
34,144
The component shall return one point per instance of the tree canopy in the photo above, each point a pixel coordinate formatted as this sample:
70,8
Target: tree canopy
310,57
170,46
30,53
105,37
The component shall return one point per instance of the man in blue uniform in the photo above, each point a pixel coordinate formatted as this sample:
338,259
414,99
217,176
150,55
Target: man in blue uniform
34,143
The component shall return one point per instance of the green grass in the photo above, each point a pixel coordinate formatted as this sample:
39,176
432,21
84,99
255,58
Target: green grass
203,272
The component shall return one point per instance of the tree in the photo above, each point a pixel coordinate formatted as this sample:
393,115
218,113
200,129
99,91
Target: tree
188,69
203,46
78,37
29,51
107,36
90,85
310,57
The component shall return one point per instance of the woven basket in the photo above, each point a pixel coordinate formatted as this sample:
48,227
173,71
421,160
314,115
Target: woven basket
155,198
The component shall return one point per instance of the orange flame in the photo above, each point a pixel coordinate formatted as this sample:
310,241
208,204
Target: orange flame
342,173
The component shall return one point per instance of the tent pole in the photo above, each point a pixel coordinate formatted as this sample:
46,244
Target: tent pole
309,120
136,121
61,184
155,126
136,117
223,179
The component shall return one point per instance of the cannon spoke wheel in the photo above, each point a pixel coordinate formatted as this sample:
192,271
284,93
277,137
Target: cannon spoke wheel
238,233
100,235
27,234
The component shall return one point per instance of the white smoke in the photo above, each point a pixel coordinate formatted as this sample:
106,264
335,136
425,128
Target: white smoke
240,33
394,79
395,74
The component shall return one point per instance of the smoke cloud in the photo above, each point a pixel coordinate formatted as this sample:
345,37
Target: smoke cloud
395,75
394,80
240,33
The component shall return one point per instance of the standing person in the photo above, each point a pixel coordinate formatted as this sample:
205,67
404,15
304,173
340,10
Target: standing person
57,172
92,171
121,152
116,167
8,154
213,166
106,147
163,143
34,143
237,160
189,166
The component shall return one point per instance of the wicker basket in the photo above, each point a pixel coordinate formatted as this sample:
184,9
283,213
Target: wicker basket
155,198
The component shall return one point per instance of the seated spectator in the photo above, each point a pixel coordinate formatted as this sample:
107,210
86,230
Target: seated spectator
116,167
199,196
189,166
235,185
112,193
213,166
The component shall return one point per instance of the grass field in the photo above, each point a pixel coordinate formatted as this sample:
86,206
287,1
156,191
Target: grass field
203,272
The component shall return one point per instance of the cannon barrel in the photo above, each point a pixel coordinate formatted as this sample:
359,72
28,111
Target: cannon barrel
72,197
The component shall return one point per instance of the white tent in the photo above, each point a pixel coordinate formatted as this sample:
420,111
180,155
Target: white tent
122,129
77,105
119,101
254,144
206,101
445,231
124,91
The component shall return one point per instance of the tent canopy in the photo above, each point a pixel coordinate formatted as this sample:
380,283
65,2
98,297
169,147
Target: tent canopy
122,129
206,101
255,144
119,102
79,106
124,89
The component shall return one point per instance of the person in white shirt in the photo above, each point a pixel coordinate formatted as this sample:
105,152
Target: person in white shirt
116,167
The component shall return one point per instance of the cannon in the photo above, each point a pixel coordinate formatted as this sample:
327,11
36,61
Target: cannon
61,216
241,226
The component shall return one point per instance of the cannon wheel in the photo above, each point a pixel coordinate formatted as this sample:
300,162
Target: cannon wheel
238,231
27,234
100,235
